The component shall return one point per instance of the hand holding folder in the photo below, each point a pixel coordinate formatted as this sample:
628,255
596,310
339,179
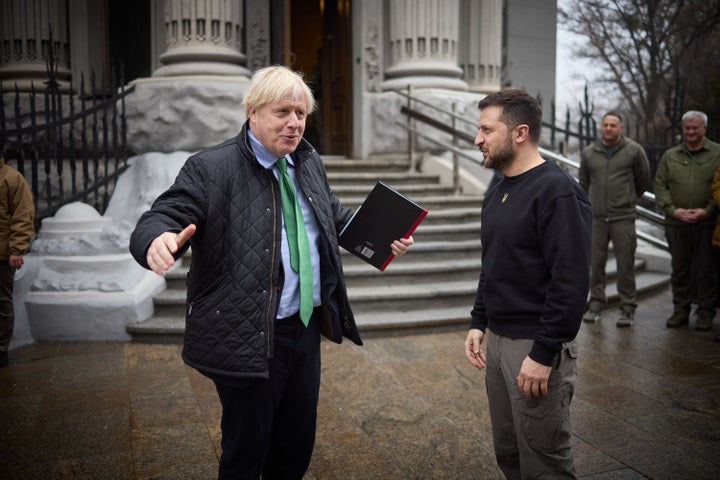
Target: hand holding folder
385,216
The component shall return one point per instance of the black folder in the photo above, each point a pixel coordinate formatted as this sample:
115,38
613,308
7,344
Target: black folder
385,216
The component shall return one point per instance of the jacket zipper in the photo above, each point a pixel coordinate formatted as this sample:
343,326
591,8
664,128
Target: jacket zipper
271,292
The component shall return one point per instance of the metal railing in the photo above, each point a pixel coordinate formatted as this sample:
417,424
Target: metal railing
413,115
70,147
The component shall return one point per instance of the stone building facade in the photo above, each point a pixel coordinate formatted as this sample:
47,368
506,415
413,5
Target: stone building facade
190,62
191,59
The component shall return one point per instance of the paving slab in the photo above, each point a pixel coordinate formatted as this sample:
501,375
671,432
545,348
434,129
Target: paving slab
647,405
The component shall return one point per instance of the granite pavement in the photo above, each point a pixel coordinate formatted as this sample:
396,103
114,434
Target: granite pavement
647,405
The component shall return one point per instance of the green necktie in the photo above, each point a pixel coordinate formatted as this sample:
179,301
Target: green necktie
297,241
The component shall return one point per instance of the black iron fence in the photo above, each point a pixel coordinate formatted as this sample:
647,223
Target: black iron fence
70,145
566,134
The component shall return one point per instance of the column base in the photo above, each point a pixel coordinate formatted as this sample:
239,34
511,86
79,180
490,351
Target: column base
424,81
201,68
188,113
27,76
424,75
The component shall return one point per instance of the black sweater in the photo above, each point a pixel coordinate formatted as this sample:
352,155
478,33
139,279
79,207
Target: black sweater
535,259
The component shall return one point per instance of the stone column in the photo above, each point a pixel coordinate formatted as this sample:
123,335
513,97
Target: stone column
481,48
25,30
257,33
203,37
423,45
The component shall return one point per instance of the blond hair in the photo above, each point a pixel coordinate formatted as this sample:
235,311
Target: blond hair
271,84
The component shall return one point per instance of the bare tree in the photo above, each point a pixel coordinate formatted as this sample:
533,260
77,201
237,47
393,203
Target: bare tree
643,46
701,87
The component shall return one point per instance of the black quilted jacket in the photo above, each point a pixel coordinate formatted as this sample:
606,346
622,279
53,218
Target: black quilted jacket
235,279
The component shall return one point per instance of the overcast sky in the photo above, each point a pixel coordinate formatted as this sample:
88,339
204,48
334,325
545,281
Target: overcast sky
571,73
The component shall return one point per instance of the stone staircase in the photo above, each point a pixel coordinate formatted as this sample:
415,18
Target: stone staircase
432,286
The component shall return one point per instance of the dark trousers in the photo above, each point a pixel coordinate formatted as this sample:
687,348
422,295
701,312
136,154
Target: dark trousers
693,266
7,311
268,424
624,239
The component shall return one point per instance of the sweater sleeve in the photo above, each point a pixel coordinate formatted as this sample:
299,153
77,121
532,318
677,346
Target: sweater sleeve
565,229
478,314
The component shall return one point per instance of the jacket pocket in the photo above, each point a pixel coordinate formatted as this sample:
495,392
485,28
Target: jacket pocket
208,296
221,330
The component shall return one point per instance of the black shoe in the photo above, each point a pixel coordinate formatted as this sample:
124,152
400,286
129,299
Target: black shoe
717,338
3,359
704,321
592,316
625,319
678,319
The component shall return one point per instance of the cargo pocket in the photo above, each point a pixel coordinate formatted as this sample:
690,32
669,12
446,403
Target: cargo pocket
545,420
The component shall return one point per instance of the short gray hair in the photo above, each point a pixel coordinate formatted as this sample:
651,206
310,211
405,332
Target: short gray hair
692,114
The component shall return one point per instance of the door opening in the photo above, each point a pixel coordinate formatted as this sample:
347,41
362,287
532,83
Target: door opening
321,49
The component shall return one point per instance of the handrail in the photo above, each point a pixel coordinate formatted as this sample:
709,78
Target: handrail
558,158
440,143
642,212
437,124
439,109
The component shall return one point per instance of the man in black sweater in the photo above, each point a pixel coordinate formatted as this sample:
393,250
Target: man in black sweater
536,231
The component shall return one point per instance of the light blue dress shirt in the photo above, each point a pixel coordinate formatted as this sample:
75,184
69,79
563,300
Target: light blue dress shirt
290,296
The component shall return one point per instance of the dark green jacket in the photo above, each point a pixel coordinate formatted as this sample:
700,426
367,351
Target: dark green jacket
614,178
684,180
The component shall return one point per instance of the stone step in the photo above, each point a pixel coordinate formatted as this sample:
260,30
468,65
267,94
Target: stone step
432,286
451,216
378,164
366,296
646,282
394,179
400,272
411,190
158,329
427,253
413,297
378,310
454,263
447,232
431,202
170,303
424,256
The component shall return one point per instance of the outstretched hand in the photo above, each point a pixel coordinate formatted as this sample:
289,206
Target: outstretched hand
161,253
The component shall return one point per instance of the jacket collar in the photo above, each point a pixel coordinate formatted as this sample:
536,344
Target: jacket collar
611,150
685,148
599,145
